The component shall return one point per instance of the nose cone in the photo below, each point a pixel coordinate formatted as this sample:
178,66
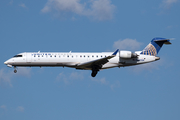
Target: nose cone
6,62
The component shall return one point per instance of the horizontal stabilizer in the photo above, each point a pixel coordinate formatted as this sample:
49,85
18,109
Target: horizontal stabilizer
163,40
167,43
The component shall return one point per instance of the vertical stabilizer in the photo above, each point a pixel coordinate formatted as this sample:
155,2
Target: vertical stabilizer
154,46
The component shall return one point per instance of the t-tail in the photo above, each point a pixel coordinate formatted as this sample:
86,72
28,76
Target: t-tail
154,46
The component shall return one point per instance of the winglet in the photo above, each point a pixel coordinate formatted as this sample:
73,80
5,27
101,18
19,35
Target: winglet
114,54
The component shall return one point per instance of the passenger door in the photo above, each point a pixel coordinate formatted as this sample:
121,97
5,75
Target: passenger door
28,57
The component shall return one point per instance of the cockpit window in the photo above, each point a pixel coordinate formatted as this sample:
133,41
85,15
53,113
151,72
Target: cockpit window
18,56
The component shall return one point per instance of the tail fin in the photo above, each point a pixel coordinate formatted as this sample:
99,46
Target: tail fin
154,46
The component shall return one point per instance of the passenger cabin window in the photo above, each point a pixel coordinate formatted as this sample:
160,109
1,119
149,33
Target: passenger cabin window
18,56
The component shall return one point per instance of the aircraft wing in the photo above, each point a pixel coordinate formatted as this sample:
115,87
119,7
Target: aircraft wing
98,62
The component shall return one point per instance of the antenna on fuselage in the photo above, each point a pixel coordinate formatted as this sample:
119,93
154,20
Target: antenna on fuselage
38,51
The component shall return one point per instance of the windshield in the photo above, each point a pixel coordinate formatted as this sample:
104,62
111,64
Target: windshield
18,56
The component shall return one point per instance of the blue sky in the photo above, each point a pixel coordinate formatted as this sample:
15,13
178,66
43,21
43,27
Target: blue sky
145,92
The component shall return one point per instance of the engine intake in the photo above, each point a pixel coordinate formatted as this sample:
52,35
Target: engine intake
127,54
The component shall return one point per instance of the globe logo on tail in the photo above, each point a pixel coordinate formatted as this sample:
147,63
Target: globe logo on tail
149,50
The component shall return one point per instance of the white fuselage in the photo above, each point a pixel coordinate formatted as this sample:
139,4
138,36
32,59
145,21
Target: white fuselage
89,61
74,59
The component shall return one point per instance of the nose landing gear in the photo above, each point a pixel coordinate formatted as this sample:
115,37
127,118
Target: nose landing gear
15,71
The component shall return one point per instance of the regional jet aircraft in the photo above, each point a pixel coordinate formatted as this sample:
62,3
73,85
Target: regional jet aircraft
89,61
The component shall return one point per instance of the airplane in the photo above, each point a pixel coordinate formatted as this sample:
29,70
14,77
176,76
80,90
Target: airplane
89,61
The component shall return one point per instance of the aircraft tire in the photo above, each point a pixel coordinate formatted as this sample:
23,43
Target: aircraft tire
15,71
94,73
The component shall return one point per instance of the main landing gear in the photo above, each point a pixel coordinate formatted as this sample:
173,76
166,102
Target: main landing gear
94,73
95,70
15,71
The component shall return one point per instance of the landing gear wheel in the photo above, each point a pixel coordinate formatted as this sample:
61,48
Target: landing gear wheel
95,70
15,71
93,74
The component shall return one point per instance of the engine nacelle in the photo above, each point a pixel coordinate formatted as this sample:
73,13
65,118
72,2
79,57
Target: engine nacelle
127,54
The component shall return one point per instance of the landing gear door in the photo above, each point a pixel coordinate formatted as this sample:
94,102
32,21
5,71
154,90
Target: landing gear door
28,57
